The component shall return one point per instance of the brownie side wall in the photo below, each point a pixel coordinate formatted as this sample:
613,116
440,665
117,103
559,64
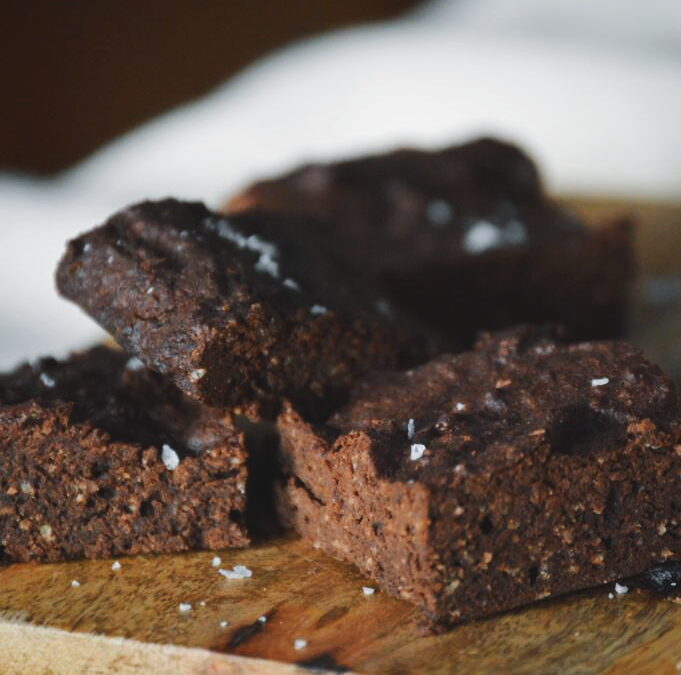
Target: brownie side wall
547,525
556,523
68,491
334,498
582,282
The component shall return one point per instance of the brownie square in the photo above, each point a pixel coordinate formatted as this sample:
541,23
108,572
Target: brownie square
99,456
480,482
462,238
233,310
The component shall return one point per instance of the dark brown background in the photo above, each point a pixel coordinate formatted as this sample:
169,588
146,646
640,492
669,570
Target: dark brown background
77,73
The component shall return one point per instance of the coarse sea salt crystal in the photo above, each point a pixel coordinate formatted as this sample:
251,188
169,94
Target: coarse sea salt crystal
599,381
417,450
262,619
411,428
438,212
237,572
299,643
621,589
224,624
197,374
318,309
481,237
169,457
216,561
460,406
368,590
267,264
134,364
267,251
116,566
185,607
75,583
291,283
47,380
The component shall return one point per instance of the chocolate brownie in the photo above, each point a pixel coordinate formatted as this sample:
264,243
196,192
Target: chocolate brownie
233,310
463,238
99,456
480,482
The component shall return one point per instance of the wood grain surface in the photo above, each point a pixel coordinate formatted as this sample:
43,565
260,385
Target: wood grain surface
297,593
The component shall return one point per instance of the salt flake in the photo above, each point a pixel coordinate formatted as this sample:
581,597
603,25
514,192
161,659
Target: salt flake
185,607
299,643
599,381
116,566
237,572
134,364
620,589
169,457
481,237
47,380
411,428
368,590
417,450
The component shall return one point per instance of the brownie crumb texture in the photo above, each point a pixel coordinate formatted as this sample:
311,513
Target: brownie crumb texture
235,310
102,457
480,482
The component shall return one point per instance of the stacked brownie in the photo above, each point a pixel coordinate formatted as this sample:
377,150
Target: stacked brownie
465,482
234,311
463,238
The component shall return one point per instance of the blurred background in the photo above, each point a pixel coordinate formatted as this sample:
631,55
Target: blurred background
107,102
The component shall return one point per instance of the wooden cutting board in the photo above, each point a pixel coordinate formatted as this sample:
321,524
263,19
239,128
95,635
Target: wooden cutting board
297,593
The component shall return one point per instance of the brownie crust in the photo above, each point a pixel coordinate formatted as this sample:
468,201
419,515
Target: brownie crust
481,482
462,238
101,457
233,311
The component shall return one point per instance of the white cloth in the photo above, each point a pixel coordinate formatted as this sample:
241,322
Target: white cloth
592,88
